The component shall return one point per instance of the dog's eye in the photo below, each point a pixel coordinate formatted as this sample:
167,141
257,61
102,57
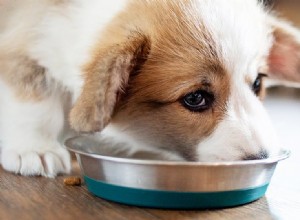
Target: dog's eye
257,85
198,101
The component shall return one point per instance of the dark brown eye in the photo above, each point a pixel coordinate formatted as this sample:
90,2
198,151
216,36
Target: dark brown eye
198,101
258,83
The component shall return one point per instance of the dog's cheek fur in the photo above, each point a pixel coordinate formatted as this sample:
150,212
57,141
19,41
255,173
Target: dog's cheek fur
169,125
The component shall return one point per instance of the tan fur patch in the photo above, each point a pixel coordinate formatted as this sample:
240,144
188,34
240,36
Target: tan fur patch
25,77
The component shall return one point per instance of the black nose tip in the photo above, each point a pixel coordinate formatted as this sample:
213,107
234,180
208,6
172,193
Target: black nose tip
263,154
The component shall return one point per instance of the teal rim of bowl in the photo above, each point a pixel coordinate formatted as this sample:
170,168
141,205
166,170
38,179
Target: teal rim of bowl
172,199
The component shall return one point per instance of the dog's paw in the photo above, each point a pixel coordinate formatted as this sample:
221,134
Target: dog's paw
48,163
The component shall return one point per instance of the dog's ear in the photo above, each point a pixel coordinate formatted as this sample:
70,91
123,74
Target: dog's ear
106,77
284,57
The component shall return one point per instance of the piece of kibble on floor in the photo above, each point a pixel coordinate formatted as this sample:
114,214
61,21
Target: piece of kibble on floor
72,181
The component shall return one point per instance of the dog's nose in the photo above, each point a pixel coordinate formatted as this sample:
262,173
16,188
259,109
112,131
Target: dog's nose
263,154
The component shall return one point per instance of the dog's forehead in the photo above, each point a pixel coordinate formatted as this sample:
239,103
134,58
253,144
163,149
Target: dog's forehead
240,32
232,33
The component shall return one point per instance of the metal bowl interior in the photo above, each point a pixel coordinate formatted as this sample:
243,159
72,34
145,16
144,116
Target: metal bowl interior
91,147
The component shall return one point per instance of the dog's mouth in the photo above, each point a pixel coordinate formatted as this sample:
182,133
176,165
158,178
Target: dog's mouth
263,154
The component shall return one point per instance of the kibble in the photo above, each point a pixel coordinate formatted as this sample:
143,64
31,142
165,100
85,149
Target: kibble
72,181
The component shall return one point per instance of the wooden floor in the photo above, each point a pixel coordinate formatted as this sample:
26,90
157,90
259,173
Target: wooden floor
41,198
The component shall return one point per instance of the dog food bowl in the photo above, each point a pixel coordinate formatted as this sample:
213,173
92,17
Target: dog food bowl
171,184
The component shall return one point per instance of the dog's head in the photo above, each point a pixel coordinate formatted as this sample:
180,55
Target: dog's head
187,78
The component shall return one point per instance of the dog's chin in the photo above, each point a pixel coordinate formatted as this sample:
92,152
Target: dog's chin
237,154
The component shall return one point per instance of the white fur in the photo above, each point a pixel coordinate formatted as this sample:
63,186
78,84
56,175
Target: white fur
246,130
241,32
70,33
58,37
29,133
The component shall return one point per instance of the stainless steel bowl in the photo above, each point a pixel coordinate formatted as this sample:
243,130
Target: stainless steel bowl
111,174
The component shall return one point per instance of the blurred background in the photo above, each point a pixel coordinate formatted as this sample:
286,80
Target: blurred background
283,104
287,8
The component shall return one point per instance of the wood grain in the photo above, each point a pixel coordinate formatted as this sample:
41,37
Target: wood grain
41,198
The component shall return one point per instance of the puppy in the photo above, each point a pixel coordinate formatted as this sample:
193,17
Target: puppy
181,78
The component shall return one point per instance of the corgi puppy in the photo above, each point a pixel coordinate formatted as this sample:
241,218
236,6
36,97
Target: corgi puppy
181,78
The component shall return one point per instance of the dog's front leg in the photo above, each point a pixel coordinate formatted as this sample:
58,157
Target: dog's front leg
29,134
